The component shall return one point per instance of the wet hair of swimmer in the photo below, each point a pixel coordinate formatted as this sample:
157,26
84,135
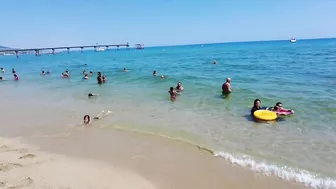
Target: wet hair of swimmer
86,117
255,101
171,88
275,108
278,104
90,95
1,78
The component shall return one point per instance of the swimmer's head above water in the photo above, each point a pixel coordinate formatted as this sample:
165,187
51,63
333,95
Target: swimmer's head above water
86,119
154,73
257,103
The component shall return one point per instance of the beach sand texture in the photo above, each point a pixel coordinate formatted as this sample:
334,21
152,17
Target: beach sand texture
22,166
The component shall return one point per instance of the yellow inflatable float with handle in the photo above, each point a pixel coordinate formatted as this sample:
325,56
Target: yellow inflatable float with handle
265,115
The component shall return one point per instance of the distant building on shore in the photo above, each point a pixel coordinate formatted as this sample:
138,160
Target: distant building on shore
139,46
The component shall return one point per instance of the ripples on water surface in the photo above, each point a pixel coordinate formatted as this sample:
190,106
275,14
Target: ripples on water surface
301,76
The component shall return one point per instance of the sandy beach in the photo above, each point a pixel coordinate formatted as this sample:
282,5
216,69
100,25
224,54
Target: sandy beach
23,166
120,159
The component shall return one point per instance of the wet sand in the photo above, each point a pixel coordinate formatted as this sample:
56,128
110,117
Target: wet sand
166,163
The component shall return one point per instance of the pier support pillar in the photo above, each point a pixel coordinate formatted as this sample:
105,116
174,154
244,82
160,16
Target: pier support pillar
17,54
53,51
37,52
82,49
68,50
117,47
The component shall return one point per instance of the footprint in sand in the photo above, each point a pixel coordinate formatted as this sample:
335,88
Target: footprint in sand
8,166
2,183
22,183
27,156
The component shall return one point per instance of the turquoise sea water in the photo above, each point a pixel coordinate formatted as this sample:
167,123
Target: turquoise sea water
301,75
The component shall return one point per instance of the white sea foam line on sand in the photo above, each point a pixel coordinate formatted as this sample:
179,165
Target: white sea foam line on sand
23,166
301,176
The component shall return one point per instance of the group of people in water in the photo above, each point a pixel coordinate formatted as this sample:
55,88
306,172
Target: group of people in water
173,92
16,77
278,108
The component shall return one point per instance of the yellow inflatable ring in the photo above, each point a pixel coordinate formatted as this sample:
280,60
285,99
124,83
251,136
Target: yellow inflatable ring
265,115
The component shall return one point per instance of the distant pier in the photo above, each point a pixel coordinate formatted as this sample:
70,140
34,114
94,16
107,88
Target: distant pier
38,50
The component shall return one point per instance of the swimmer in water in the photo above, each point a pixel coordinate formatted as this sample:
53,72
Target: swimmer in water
43,73
124,70
215,62
281,109
2,70
99,78
256,106
48,72
86,76
91,73
104,78
154,73
92,95
13,71
16,78
84,72
172,93
179,87
87,119
226,87
1,78
163,77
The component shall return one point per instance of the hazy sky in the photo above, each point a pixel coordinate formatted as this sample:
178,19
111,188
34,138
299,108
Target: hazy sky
43,23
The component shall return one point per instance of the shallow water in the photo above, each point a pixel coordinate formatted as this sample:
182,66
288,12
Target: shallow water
301,76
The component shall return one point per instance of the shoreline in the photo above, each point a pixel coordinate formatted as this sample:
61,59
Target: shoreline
165,163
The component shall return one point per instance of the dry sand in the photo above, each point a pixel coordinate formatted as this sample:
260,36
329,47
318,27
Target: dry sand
23,166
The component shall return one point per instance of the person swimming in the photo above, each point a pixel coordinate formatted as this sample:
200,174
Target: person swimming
16,78
282,111
163,77
2,70
172,93
43,73
13,71
87,118
91,73
179,87
84,72
48,72
86,76
154,73
214,62
125,70
226,87
256,106
92,95
1,78
104,78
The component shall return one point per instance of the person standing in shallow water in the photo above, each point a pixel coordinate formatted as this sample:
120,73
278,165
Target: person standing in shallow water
226,87
99,78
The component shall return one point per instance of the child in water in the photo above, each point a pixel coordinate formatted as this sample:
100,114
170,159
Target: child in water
172,93
16,78
278,108
2,70
87,119
86,76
